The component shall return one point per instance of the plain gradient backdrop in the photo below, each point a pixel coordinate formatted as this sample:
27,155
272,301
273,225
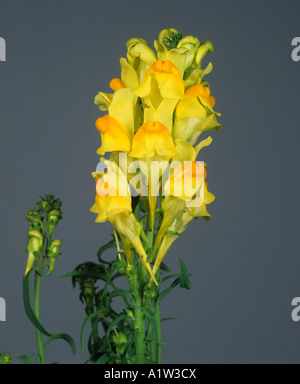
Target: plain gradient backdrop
246,261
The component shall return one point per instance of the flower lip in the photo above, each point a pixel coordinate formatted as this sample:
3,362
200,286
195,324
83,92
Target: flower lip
153,138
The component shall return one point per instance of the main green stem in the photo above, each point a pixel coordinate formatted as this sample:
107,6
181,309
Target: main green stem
139,316
36,304
157,326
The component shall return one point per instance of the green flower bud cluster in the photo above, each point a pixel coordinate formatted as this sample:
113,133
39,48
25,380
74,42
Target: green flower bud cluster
131,273
150,291
120,342
121,266
42,221
5,358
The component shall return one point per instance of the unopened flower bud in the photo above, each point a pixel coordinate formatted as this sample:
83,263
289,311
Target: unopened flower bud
35,244
53,218
53,253
192,44
34,218
204,48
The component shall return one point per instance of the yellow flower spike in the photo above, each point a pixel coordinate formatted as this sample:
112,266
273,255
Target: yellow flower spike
153,143
113,134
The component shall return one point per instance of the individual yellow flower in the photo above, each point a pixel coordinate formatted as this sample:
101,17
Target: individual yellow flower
113,135
113,204
194,114
154,145
161,89
185,188
123,104
153,140
176,229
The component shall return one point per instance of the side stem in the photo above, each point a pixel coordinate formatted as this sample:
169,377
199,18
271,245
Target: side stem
36,307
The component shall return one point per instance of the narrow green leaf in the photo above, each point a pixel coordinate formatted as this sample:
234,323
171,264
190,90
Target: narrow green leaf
28,307
104,359
111,244
184,278
121,293
85,323
165,268
168,318
112,325
26,359
168,290
62,336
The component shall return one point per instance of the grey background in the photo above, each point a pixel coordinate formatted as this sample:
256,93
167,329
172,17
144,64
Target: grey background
245,262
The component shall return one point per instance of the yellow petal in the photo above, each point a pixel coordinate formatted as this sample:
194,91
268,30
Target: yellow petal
186,181
153,138
122,108
186,152
128,74
117,84
113,135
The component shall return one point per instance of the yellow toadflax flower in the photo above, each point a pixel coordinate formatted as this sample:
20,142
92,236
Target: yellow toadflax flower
194,114
185,188
113,135
161,89
113,204
154,145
